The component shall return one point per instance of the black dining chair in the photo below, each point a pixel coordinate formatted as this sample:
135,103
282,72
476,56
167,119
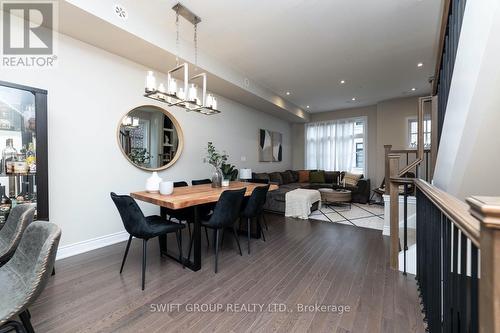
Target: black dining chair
225,214
262,181
184,214
254,210
143,227
201,181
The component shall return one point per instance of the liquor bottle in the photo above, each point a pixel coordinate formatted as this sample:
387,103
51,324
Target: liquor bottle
5,205
9,156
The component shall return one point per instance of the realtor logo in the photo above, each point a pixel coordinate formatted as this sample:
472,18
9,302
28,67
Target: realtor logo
28,33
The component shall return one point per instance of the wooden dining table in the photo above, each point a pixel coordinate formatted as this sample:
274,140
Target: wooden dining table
194,197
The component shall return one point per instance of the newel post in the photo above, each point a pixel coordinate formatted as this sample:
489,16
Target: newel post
487,211
394,209
387,151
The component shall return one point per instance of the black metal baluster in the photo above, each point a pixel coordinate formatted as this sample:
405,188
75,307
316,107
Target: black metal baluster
463,284
455,289
446,275
474,297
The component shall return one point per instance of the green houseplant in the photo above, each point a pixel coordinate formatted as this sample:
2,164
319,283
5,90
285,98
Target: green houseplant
229,171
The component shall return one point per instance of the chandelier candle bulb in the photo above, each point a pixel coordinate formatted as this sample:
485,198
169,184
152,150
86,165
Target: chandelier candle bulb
172,87
192,92
150,82
182,95
209,101
214,103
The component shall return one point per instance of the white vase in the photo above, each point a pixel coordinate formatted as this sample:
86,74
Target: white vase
153,183
166,188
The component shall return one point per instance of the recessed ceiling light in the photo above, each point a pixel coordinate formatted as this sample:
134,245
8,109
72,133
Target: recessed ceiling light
342,81
307,106
288,93
420,64
413,89
353,99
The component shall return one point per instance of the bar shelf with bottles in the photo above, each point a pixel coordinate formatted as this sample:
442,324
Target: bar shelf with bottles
21,108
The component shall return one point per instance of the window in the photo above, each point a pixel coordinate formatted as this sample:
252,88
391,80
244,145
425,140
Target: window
336,145
413,133
359,155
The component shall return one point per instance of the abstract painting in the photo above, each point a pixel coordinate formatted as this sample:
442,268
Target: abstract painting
265,146
270,146
277,149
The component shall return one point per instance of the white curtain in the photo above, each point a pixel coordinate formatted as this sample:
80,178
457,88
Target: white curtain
330,145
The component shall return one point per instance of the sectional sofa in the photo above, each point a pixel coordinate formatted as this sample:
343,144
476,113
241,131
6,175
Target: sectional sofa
289,180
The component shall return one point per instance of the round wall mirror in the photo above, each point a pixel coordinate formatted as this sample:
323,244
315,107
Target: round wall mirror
150,137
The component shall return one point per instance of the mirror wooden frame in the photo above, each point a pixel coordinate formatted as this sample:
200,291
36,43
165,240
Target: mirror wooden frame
177,126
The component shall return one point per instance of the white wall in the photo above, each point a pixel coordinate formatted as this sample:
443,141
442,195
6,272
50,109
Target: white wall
89,92
468,160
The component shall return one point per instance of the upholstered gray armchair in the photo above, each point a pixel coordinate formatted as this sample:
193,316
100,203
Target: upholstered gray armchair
10,235
24,276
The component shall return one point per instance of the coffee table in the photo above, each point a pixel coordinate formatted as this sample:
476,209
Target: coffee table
337,197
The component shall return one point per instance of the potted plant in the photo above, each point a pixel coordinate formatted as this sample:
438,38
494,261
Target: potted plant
229,171
216,159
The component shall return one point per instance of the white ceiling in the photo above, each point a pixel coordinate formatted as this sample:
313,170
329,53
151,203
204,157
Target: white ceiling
308,46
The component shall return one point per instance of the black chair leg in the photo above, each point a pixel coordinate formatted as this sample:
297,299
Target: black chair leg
144,250
261,227
179,243
53,271
235,234
190,247
25,319
189,229
9,326
126,253
248,233
264,219
206,234
216,248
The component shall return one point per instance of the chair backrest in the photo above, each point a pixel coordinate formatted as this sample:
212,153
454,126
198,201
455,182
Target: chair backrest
27,272
201,181
228,207
180,184
256,201
260,181
10,235
132,217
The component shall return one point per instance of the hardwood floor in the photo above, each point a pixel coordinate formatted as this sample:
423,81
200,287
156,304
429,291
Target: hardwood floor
302,262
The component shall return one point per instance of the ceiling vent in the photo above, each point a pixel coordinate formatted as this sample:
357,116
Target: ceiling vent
120,11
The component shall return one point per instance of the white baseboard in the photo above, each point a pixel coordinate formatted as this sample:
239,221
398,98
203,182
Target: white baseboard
91,244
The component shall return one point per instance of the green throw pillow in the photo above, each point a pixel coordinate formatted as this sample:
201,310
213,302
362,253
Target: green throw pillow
317,177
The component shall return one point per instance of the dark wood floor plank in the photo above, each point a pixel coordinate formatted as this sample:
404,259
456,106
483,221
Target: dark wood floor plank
304,262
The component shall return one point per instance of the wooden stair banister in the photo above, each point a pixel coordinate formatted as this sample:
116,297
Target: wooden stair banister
487,211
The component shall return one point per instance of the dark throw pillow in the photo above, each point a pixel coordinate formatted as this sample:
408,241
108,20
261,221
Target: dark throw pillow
317,177
295,175
287,177
275,177
261,176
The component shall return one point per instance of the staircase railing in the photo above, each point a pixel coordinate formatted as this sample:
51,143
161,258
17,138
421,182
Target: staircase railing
458,257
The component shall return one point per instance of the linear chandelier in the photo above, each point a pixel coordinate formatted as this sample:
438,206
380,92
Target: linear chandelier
186,94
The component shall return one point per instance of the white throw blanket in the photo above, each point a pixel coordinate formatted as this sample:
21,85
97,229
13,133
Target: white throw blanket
299,202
